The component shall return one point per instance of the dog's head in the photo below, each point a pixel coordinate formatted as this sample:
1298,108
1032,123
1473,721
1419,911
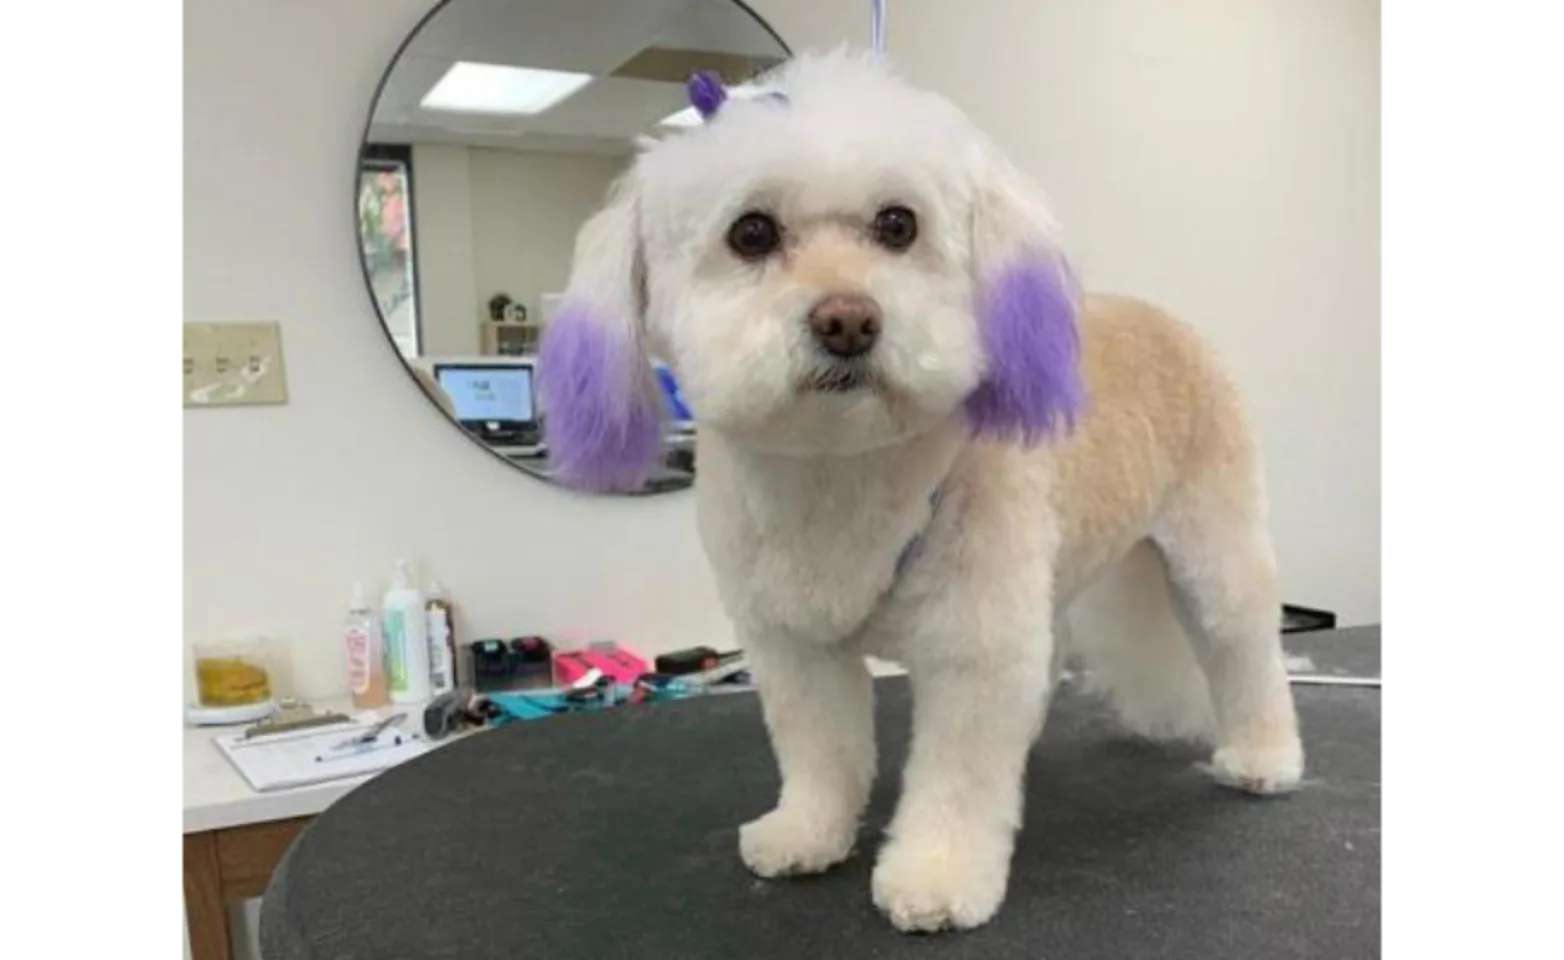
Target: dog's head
832,268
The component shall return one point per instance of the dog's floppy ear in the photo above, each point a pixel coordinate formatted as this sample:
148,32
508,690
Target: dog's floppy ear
603,418
1027,304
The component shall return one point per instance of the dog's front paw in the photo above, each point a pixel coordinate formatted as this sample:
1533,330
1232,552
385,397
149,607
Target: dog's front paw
784,842
924,887
1260,770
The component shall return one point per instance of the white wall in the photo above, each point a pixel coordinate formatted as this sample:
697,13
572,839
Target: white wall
492,221
448,306
1220,157
526,210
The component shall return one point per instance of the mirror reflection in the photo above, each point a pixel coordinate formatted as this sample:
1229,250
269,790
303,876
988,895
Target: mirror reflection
496,133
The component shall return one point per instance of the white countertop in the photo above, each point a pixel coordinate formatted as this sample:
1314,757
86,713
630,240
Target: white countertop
216,796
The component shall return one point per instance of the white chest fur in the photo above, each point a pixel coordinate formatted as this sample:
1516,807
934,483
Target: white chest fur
807,548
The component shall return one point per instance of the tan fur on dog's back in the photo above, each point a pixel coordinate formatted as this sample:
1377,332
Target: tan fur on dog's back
1163,422
1161,414
1163,430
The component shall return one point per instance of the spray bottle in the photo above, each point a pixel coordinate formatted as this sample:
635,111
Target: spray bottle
366,653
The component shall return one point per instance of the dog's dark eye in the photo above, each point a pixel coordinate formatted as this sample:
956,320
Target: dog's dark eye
895,228
754,235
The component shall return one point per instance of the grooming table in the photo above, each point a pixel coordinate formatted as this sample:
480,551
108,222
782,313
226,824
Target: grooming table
613,835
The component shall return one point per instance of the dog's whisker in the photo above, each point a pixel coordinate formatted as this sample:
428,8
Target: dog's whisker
837,378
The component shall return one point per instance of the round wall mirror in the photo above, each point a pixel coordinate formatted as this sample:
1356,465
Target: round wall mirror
494,134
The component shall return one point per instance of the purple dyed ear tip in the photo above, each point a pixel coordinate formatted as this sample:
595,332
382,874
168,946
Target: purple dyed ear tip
706,93
1033,388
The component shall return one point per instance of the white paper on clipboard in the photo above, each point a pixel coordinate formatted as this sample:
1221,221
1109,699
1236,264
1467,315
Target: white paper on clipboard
283,760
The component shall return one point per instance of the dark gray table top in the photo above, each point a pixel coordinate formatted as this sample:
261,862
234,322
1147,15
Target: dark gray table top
614,835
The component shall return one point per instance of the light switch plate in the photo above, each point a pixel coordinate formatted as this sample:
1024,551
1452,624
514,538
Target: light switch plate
229,364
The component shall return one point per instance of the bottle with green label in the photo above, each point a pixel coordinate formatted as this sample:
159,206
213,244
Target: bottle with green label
405,629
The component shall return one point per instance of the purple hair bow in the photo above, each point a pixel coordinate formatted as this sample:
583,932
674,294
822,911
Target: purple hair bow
707,94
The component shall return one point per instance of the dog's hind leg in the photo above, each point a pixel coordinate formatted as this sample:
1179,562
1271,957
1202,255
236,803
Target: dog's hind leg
1222,566
1124,631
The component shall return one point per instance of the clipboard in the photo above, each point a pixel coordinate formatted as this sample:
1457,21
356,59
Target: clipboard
303,757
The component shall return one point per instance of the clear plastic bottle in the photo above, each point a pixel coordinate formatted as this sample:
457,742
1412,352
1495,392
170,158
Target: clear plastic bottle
366,653
405,626
442,639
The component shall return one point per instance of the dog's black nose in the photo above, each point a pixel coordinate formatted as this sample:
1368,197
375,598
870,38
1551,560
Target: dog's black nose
846,324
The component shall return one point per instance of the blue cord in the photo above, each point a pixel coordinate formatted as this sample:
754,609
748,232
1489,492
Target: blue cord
877,17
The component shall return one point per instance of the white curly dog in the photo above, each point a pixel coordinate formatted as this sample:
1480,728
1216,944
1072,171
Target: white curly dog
921,441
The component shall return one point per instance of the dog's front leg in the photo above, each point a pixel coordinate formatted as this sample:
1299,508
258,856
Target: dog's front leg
978,704
819,710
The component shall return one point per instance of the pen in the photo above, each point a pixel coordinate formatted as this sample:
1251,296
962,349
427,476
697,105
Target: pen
1325,680
372,734
358,749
